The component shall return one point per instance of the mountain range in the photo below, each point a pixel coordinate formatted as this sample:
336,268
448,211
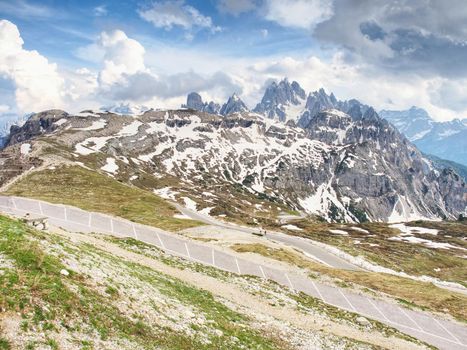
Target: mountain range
338,160
446,140
285,101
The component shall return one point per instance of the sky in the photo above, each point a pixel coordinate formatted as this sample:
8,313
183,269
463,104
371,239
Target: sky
76,55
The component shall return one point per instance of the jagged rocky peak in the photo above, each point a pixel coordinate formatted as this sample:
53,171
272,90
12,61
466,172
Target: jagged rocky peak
195,101
319,100
283,101
233,105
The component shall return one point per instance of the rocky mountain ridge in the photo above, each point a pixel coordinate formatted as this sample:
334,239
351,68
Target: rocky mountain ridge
284,101
233,105
341,167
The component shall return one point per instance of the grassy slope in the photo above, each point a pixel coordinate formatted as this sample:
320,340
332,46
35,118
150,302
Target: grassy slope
50,303
421,294
89,190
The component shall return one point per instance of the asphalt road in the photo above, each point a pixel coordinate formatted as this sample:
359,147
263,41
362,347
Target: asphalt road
439,332
319,254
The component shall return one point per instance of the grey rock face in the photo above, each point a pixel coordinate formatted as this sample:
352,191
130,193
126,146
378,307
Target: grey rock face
212,108
233,105
319,101
36,125
278,97
281,101
382,171
194,101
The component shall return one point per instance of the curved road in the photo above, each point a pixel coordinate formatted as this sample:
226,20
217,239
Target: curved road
436,331
319,254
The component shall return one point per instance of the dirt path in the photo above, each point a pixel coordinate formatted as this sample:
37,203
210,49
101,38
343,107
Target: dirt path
247,303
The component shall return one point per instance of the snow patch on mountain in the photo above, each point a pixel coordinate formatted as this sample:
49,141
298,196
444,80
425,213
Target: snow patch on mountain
125,109
96,125
110,166
92,145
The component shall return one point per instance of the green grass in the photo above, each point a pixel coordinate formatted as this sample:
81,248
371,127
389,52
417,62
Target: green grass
90,190
4,344
44,298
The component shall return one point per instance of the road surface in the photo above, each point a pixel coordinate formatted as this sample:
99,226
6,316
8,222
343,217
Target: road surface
319,254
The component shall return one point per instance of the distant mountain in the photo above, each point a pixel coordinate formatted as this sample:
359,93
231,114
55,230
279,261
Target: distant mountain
441,164
282,101
194,101
14,121
125,109
233,105
414,123
447,140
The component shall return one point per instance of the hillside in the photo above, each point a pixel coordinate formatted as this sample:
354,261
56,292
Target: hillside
62,290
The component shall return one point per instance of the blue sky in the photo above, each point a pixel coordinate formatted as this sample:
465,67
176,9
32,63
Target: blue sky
85,54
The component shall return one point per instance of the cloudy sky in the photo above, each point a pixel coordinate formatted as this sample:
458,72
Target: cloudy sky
85,54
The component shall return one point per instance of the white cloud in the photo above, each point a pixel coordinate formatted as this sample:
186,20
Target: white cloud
264,33
200,72
24,9
4,108
122,55
124,75
447,93
127,74
376,88
81,83
99,11
169,14
38,85
298,13
236,7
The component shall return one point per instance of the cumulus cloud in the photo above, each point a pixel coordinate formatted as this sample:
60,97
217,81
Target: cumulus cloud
373,87
169,14
143,86
304,14
124,76
121,55
236,7
37,82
